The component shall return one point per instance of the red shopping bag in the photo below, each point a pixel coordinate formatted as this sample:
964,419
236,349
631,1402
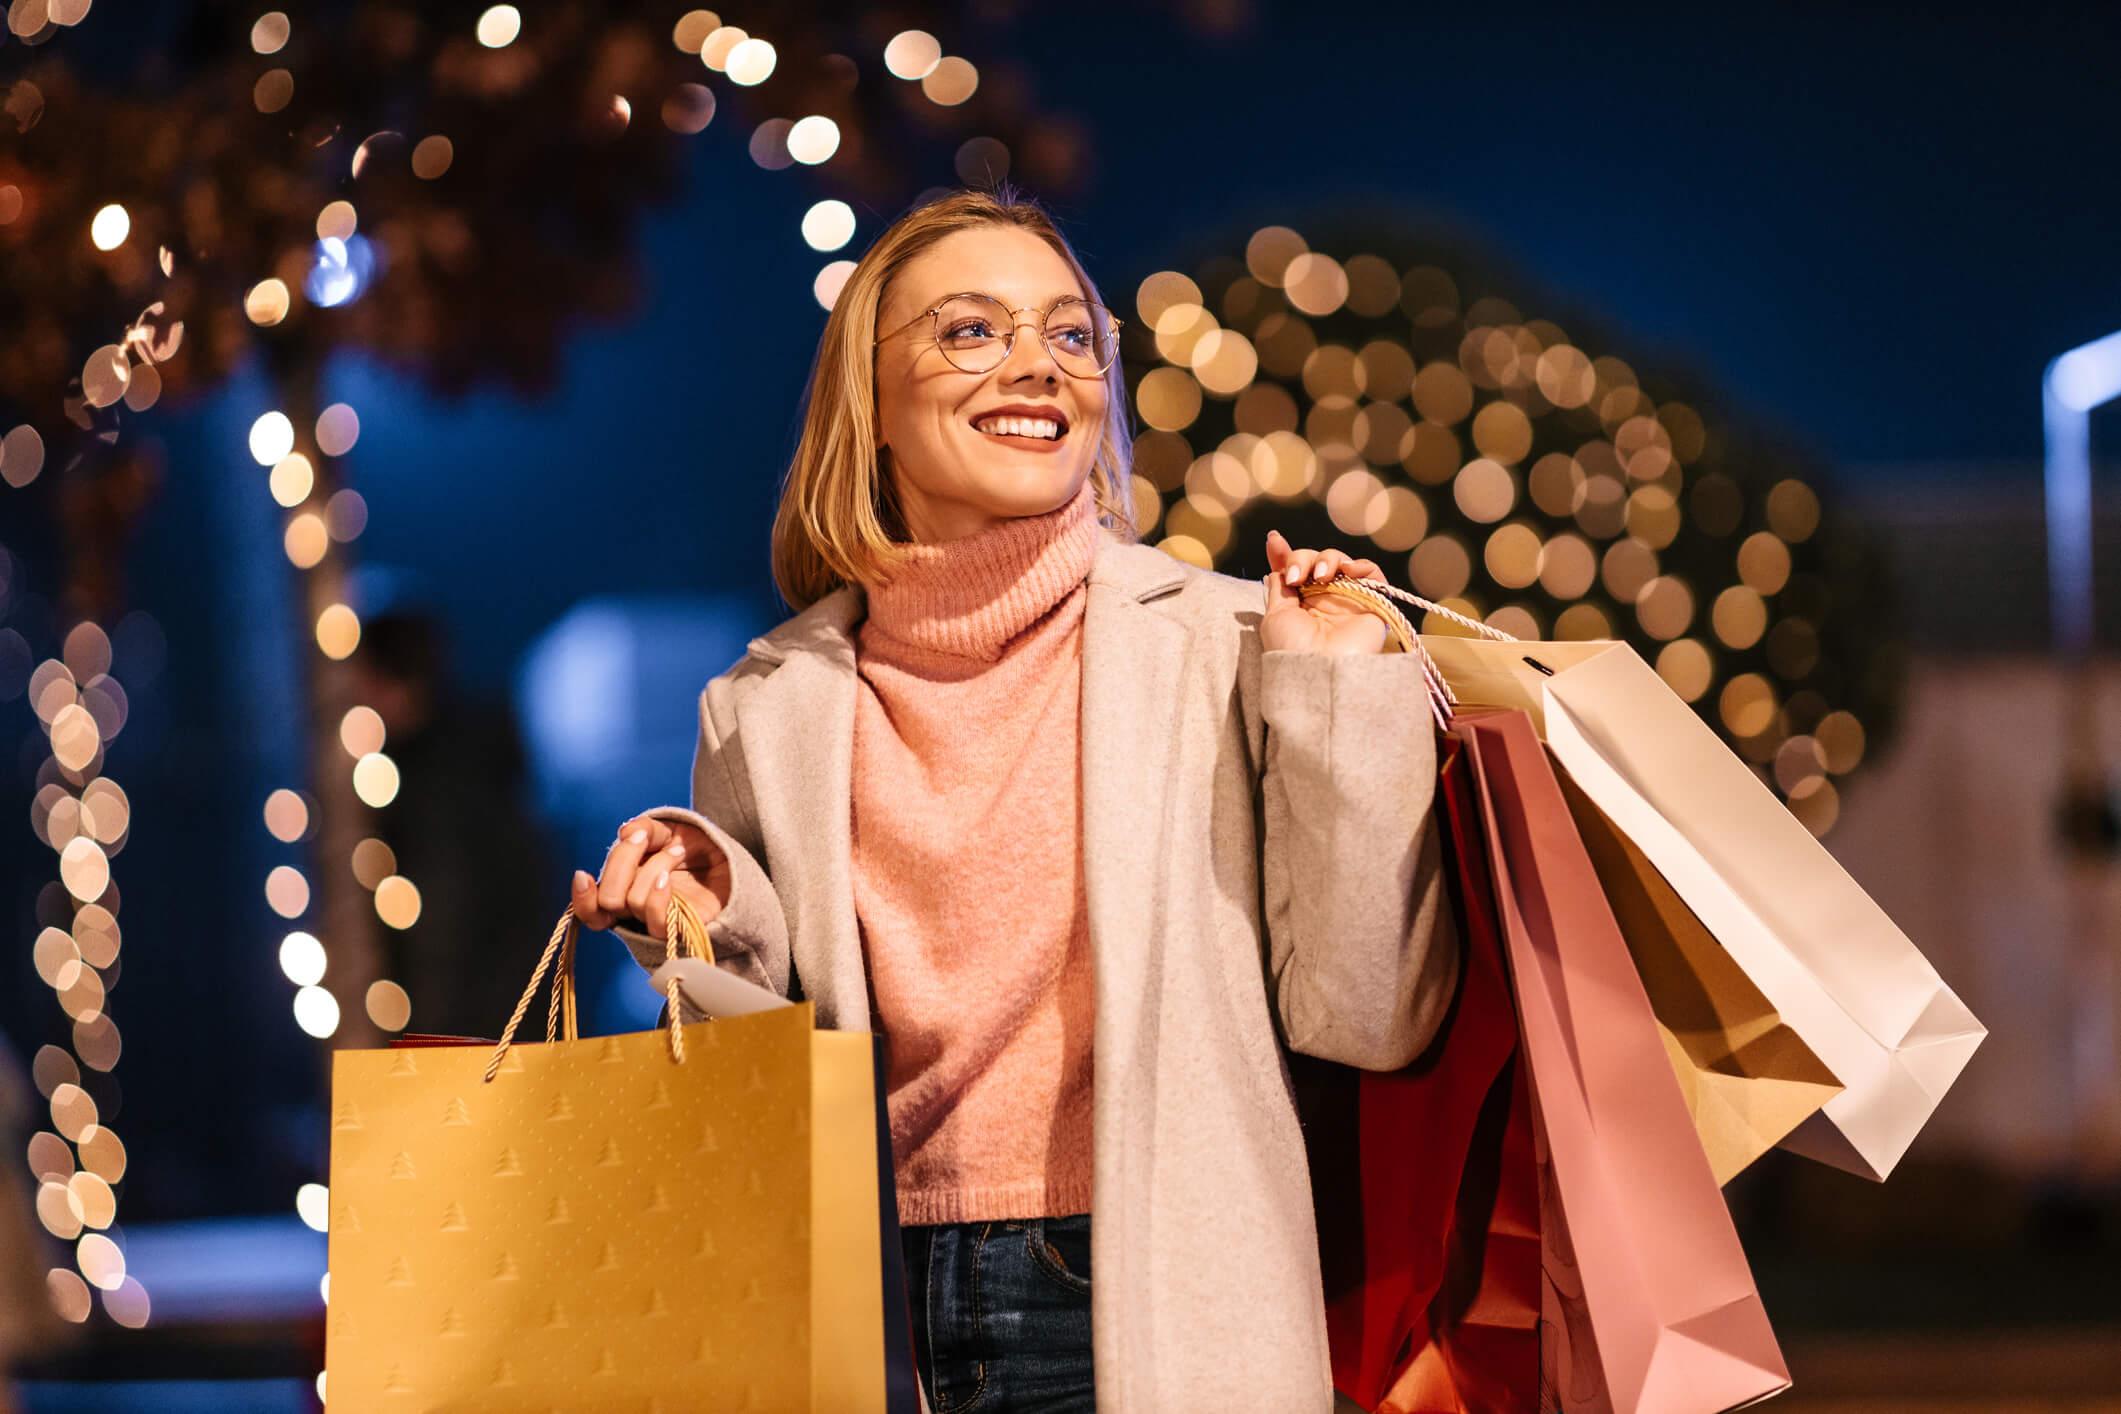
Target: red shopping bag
1647,1301
1426,1186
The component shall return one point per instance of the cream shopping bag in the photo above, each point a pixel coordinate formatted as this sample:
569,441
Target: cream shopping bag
1824,955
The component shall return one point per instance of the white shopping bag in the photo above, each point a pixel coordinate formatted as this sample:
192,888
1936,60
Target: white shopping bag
1841,974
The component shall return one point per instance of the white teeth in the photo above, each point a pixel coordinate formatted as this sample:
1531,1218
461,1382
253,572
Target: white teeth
1020,427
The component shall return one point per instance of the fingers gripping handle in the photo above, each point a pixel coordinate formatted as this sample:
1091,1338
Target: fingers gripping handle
688,938
1372,594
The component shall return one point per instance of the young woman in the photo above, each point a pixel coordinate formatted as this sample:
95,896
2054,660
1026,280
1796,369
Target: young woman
1090,834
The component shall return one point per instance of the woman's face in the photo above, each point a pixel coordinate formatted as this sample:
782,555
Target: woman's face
953,479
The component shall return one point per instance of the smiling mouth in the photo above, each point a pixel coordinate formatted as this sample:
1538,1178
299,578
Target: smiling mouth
1033,429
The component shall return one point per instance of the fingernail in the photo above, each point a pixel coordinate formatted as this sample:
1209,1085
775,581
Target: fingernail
581,880
639,836
662,880
1318,571
1295,573
677,851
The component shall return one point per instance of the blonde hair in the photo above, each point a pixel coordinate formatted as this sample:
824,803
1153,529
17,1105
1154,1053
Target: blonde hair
838,521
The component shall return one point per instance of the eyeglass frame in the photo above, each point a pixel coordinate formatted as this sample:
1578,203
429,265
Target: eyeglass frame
1009,344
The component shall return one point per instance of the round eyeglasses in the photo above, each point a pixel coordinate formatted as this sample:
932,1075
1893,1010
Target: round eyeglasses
976,332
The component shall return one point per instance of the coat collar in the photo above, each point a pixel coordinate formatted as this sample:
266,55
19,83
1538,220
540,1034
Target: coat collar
798,728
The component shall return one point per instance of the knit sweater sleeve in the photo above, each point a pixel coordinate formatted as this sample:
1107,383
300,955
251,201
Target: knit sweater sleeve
750,934
1362,950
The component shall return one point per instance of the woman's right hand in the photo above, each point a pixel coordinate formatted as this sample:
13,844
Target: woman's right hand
651,858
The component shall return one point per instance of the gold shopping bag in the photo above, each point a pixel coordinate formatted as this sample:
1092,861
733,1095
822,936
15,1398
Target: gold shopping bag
1748,1078
670,1220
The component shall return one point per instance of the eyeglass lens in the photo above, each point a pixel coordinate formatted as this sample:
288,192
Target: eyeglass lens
974,331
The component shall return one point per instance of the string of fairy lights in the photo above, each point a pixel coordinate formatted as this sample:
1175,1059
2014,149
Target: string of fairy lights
84,815
1511,475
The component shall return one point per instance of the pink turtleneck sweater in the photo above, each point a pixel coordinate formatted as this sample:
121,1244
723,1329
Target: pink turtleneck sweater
968,874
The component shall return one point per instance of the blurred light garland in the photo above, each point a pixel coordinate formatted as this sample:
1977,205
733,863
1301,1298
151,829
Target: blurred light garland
83,814
1497,467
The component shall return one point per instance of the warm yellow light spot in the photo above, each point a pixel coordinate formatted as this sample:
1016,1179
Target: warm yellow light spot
1764,562
109,227
286,816
307,540
1485,490
272,437
317,1012
313,1205
336,221
287,891
1168,399
912,54
266,303
292,479
950,82
1512,555
1185,547
1686,667
101,1261
1440,567
361,731
388,1005
828,225
84,868
1225,362
1665,607
692,29
1568,566
813,140
1739,616
499,26
375,779
302,959
102,1154
338,631
1840,738
1270,251
716,48
431,157
1580,623
398,902
373,862
269,34
1315,283
750,62
75,738
825,289
1747,705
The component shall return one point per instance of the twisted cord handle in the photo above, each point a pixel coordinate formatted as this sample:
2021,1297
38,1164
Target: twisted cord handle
688,938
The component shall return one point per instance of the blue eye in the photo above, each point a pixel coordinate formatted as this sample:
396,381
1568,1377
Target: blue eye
969,329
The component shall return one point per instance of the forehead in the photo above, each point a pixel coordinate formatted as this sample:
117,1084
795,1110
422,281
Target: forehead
1013,265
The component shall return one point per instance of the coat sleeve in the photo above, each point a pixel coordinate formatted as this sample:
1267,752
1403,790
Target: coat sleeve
1363,954
750,934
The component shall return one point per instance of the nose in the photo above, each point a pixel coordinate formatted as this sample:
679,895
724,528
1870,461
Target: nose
1028,356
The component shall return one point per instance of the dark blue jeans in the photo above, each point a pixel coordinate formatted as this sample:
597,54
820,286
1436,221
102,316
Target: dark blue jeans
1001,1315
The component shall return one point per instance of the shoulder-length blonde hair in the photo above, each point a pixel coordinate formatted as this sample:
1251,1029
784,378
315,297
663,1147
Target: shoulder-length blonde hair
839,521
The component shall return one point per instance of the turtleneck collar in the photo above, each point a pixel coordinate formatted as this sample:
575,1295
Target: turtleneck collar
970,597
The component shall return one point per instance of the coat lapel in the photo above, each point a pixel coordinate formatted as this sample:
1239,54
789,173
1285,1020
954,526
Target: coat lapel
1134,657
799,746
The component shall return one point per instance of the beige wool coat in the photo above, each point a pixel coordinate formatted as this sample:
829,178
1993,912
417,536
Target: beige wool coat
1261,872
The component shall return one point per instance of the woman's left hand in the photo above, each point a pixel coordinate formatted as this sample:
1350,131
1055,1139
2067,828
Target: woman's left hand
1324,623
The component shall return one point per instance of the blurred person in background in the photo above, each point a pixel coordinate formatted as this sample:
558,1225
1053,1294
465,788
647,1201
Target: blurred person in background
462,829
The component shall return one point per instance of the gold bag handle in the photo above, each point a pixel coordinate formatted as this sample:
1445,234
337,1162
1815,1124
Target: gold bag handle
688,938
